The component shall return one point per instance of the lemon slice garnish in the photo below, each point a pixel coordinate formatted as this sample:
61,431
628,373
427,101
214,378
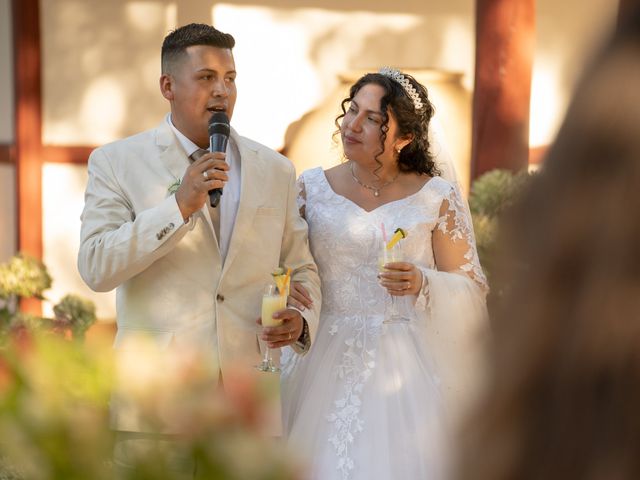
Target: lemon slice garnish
398,235
281,279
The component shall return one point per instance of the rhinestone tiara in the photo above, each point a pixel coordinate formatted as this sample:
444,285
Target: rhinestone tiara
406,85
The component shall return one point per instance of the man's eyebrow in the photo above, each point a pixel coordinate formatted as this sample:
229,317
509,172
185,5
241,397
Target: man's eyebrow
209,70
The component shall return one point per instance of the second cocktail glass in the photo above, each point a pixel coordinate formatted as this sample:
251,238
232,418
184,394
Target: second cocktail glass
272,301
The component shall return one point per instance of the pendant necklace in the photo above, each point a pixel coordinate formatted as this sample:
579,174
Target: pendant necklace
375,190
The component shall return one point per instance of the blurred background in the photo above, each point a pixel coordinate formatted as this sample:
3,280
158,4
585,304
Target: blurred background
75,74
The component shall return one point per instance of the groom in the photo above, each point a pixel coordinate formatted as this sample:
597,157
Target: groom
188,275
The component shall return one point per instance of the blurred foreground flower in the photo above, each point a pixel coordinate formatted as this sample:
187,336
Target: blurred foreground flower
53,408
54,418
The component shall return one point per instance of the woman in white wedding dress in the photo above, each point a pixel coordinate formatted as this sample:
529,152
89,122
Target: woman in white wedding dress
374,400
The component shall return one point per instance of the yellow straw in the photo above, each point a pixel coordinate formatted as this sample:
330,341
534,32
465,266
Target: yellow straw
287,278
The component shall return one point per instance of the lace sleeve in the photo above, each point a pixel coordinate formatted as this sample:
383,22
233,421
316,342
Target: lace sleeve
454,243
301,198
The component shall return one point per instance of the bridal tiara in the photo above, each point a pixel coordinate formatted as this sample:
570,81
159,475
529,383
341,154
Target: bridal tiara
406,85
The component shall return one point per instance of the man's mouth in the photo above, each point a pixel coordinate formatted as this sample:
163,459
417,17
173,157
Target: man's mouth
217,108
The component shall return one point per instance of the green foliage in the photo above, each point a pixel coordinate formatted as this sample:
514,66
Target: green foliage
23,276
492,194
495,191
26,277
76,312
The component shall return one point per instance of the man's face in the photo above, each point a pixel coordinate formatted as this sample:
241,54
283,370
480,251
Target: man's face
200,82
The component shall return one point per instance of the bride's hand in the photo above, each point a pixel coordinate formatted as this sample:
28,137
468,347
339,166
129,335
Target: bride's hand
401,278
299,297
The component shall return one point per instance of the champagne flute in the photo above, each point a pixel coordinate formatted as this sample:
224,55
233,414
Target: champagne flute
392,313
272,302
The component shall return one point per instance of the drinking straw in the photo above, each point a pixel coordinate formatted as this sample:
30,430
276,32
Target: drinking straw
287,278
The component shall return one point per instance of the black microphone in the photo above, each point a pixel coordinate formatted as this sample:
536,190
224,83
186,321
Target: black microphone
218,137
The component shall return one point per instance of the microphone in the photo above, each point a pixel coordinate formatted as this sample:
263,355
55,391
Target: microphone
218,137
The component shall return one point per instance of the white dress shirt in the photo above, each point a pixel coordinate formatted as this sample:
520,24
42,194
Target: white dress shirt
230,199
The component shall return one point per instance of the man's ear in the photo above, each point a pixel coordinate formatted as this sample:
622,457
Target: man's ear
166,86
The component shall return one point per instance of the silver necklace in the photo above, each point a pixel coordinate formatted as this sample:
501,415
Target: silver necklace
375,190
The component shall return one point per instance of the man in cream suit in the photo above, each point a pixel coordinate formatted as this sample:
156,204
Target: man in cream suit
188,275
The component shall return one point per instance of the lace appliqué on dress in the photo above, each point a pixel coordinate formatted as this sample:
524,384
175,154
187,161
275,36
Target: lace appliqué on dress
455,222
356,367
458,225
301,196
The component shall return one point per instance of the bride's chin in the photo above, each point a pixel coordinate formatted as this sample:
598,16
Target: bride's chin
355,157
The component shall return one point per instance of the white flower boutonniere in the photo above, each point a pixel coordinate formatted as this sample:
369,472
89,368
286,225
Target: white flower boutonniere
173,188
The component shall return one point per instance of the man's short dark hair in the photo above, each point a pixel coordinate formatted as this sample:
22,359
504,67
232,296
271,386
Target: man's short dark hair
177,41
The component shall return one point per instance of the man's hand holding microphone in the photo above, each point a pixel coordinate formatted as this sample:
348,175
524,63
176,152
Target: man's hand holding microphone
206,176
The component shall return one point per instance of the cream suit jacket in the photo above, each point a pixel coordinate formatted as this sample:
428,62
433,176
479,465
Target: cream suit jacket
171,282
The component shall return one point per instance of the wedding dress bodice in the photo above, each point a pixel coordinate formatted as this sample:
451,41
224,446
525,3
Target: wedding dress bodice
346,240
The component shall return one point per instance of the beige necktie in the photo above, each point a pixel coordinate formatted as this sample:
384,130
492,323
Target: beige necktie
214,213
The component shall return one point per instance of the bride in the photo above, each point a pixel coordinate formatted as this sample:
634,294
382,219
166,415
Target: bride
377,400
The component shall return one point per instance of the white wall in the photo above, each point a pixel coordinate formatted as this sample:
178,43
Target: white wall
63,194
7,172
290,57
568,33
102,58
101,67
7,212
6,73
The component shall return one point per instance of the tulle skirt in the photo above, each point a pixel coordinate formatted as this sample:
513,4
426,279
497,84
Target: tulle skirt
366,403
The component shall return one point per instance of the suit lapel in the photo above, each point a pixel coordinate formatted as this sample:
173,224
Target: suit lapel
175,159
252,170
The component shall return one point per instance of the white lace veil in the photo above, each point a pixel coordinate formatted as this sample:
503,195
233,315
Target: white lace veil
445,164
441,154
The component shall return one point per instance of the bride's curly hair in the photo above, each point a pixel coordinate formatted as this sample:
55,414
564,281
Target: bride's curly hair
416,156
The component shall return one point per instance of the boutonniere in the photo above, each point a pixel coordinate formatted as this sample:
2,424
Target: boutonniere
173,188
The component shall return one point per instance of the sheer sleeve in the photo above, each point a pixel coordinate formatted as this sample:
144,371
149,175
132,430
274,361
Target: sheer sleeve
452,300
454,245
301,198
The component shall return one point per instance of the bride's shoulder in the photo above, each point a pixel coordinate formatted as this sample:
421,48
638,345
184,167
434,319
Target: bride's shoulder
335,171
333,176
441,185
310,175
